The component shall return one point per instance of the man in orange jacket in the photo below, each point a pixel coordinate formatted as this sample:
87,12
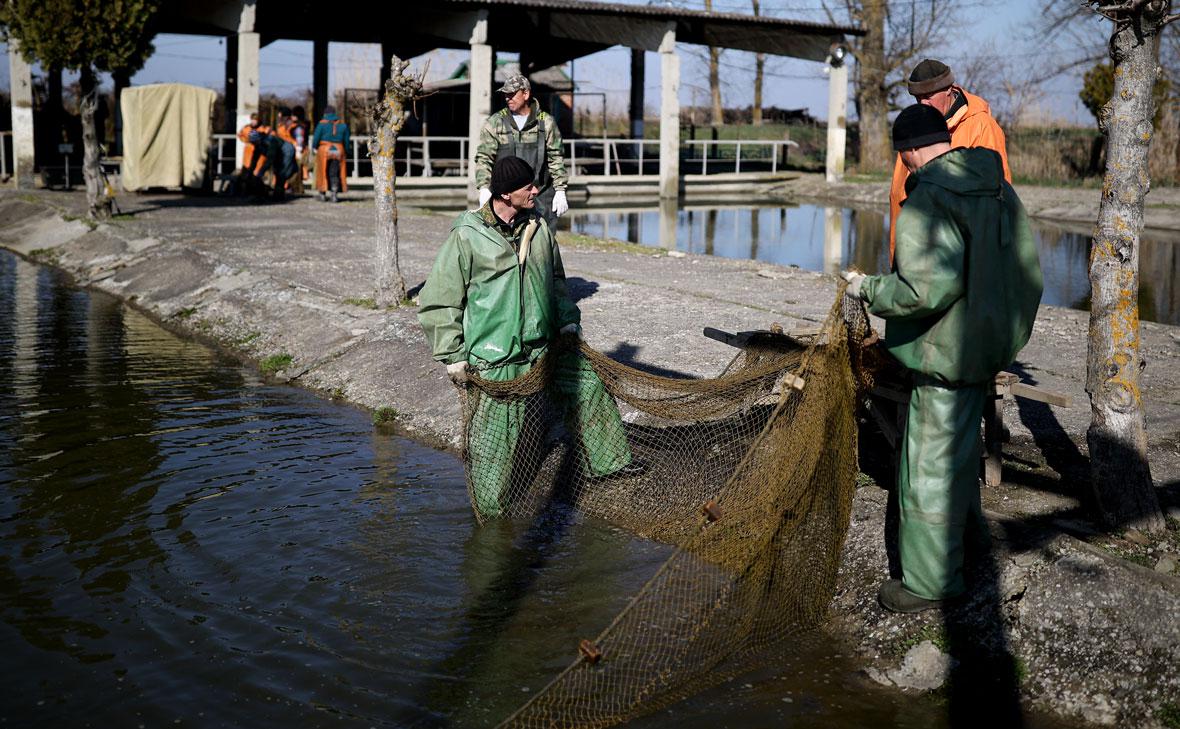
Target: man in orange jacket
255,125
968,118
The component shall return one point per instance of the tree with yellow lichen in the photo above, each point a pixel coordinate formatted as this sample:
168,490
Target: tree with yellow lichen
1120,476
388,117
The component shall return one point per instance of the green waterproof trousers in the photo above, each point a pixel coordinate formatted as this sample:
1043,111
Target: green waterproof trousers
590,415
938,486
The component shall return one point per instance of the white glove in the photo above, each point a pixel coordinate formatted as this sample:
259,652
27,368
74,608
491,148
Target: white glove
457,371
571,329
560,204
854,279
484,195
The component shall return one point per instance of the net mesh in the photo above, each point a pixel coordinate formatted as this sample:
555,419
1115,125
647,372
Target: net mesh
749,475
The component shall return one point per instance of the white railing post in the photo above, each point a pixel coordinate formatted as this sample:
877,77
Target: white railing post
705,158
4,154
605,157
775,150
463,156
573,170
427,170
737,167
356,159
640,170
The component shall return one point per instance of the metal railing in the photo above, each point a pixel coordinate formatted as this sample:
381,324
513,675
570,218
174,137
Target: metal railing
415,156
448,156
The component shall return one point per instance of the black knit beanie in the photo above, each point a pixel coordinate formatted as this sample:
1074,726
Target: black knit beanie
919,126
510,173
930,76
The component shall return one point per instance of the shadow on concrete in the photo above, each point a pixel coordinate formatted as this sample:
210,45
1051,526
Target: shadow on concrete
1061,453
625,353
580,288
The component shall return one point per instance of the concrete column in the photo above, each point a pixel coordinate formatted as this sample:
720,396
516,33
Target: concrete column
837,110
668,219
833,239
669,117
20,78
231,86
319,76
248,83
386,53
121,80
480,69
637,93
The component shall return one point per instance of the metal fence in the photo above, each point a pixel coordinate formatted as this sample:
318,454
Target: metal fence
448,156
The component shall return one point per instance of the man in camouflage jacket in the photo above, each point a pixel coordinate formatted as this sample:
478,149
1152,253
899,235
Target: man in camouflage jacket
522,130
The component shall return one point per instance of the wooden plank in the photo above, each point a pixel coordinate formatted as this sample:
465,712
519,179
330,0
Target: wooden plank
1029,392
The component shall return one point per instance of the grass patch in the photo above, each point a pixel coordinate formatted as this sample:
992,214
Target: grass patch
1169,715
366,303
249,338
84,221
577,240
864,479
123,216
869,177
383,415
186,312
934,632
275,363
45,255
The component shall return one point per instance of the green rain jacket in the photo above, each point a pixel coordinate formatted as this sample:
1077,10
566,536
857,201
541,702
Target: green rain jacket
539,144
966,283
481,305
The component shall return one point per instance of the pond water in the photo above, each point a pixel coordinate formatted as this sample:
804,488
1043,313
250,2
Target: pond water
820,238
182,543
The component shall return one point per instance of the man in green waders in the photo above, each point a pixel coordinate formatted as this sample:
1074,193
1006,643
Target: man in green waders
494,302
958,307
522,130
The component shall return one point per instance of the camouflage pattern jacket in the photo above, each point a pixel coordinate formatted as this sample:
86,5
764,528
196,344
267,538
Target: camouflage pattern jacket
500,136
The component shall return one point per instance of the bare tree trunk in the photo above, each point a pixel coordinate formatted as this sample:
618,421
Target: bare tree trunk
387,120
391,284
759,72
96,198
872,97
1120,477
715,78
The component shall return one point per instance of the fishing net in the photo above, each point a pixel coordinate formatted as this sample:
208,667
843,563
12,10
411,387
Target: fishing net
749,475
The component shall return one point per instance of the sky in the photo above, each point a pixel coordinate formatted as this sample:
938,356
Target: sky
990,26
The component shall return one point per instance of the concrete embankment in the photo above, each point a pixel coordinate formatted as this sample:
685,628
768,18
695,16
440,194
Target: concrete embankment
1086,633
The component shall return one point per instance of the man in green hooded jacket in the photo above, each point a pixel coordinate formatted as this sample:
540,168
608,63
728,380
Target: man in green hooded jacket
958,307
494,302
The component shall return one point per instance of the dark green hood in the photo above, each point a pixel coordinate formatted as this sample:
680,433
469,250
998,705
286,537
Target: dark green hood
963,295
975,171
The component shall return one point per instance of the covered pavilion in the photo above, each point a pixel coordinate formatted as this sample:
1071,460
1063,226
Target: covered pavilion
544,33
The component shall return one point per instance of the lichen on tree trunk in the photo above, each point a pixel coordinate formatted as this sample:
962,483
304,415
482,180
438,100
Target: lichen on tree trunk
388,117
1120,476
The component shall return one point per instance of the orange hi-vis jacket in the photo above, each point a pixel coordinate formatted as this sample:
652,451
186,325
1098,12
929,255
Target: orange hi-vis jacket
284,130
248,152
971,126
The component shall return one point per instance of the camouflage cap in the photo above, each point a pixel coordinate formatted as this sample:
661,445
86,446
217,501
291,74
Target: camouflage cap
514,84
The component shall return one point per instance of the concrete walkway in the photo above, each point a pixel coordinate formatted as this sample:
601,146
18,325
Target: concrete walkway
296,279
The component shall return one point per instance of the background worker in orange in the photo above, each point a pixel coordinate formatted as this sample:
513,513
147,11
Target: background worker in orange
255,125
968,117
330,142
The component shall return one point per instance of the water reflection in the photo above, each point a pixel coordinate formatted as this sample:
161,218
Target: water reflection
828,239
181,543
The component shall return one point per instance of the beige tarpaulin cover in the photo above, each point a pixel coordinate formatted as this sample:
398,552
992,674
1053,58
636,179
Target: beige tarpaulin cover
166,133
